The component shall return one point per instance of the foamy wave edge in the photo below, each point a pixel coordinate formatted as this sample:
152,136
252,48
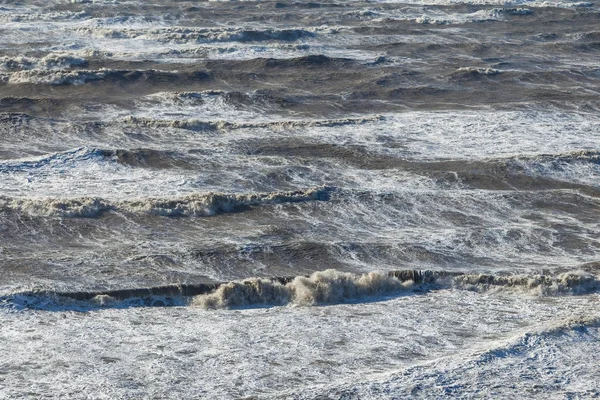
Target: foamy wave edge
203,125
205,204
334,287
320,288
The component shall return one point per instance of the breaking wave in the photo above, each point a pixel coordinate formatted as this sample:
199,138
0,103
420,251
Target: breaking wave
206,204
495,14
539,336
331,286
231,99
586,156
50,61
324,287
82,76
319,288
205,35
59,77
61,158
580,167
142,158
203,125
574,170
467,73
567,283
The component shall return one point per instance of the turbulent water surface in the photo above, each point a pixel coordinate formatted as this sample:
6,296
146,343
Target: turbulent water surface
293,199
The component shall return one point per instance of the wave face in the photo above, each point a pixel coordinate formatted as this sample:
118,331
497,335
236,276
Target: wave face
299,199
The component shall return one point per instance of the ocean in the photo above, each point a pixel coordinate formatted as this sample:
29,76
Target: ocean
357,199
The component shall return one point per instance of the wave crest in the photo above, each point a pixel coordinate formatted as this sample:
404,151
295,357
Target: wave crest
577,282
333,287
58,77
205,204
205,35
325,287
473,73
50,61
203,125
319,288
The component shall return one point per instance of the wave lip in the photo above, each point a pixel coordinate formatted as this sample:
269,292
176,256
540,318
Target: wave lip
205,204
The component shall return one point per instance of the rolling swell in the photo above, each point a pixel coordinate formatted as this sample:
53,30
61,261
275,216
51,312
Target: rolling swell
191,205
319,288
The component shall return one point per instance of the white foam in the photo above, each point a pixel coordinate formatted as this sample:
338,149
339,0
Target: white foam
561,353
83,173
50,61
480,135
458,135
203,106
58,77
410,136
505,3
577,167
425,343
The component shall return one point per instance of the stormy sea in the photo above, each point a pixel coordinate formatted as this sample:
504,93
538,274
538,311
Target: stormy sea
294,199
